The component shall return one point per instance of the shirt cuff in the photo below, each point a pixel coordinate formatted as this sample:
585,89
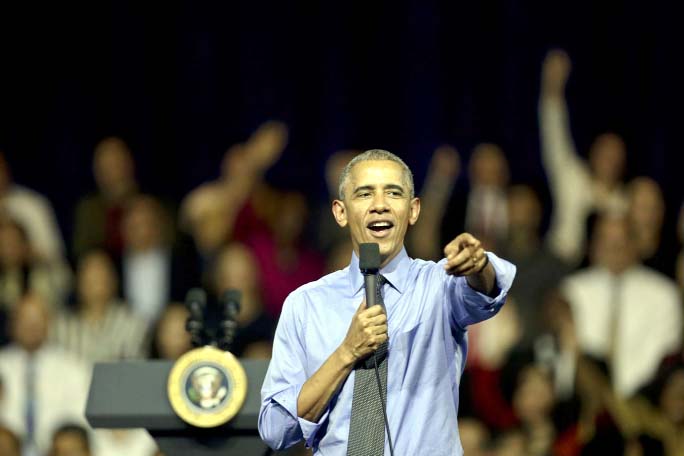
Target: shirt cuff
505,272
288,400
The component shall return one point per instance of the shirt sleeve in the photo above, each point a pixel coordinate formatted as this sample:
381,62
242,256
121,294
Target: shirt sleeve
466,306
279,425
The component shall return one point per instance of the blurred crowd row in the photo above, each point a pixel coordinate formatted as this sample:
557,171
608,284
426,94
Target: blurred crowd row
585,357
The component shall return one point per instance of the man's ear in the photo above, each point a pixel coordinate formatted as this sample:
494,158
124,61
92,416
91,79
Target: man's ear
414,211
339,211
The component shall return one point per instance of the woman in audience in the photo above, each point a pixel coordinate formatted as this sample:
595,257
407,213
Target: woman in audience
21,272
102,328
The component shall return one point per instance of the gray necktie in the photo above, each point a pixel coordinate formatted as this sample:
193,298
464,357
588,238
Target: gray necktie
367,424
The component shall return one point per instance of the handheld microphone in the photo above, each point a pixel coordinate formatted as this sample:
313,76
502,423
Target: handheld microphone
369,263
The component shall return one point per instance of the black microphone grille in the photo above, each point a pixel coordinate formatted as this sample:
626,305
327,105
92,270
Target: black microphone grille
369,256
196,296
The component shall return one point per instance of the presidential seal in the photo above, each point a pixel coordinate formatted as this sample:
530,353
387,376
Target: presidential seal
207,387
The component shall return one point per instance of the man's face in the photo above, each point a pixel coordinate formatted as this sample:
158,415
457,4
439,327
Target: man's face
377,206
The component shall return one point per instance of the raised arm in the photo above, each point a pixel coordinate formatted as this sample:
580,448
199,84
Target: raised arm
558,149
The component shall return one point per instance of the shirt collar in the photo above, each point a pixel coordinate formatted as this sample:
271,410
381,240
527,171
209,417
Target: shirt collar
396,272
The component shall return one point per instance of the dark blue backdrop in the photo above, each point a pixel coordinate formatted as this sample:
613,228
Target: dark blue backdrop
180,82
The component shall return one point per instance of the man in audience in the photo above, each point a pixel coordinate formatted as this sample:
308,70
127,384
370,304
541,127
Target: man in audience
482,208
625,313
539,270
44,386
578,188
153,272
99,215
655,248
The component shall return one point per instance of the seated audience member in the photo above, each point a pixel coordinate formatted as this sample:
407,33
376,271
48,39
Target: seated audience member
153,272
170,338
10,445
655,247
99,215
22,272
34,212
539,270
210,212
529,386
482,208
44,385
423,239
102,328
236,269
578,188
626,314
285,261
70,440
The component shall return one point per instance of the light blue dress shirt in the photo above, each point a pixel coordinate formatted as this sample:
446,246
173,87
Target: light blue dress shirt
428,312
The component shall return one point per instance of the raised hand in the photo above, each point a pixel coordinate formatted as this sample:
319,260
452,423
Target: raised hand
267,143
555,72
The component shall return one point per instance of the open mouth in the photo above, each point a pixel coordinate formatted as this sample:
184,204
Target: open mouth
380,227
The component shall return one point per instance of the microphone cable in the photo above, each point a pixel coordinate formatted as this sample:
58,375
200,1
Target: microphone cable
382,402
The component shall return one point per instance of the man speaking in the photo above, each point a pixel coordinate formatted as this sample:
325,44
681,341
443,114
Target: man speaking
357,379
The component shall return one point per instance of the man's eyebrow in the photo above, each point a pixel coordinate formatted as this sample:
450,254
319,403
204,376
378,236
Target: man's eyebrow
363,187
394,187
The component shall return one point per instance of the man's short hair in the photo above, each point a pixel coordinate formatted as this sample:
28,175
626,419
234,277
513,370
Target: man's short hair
376,154
75,429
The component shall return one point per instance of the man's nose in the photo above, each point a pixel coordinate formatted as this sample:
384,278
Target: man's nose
379,203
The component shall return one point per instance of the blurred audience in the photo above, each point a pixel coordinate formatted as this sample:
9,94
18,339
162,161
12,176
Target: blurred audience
282,254
237,269
34,212
655,248
34,403
10,445
570,366
21,271
99,215
70,440
481,208
102,328
625,313
538,270
153,272
579,189
210,212
170,340
424,238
